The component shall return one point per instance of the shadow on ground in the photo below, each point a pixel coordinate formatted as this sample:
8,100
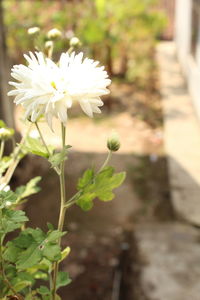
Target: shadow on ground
99,239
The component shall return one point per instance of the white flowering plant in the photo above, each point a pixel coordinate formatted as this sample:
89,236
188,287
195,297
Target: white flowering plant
30,262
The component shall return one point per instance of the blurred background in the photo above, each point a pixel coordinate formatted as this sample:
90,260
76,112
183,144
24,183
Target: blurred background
144,245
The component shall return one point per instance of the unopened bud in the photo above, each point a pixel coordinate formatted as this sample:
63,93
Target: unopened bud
33,30
54,33
6,133
74,42
48,45
113,142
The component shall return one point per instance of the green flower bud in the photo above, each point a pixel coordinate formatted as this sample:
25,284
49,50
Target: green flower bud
113,143
74,42
54,33
33,30
6,133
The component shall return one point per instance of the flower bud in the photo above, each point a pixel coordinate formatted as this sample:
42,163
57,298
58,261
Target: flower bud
113,143
48,45
54,33
74,42
33,30
6,133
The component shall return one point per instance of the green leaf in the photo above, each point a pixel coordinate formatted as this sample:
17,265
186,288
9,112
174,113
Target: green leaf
5,163
36,147
87,178
7,198
36,245
50,226
21,285
2,124
12,220
54,235
62,279
99,186
29,257
65,253
11,253
29,189
52,252
86,201
59,157
43,290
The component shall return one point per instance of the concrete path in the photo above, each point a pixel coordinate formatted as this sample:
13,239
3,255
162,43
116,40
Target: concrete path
170,261
182,136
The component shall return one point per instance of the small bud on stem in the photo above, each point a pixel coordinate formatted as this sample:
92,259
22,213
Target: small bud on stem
54,34
33,30
113,143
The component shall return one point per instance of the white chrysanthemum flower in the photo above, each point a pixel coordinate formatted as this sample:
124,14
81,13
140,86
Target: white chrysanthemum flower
46,88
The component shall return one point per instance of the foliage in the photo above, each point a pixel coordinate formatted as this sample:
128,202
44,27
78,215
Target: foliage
29,261
112,31
100,186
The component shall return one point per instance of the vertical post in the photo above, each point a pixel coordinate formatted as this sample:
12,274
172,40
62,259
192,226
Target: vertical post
6,109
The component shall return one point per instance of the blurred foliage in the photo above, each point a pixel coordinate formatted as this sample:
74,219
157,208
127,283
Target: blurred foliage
121,34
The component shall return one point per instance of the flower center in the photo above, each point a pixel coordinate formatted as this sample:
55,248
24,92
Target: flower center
53,85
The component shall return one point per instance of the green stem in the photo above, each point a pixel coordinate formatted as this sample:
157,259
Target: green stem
106,161
45,145
16,159
2,149
41,136
62,211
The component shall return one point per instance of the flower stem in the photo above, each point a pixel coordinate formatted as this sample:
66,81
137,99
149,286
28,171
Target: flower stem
41,136
62,211
106,161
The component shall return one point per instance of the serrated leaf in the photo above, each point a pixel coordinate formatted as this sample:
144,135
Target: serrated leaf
43,290
29,189
11,253
86,179
62,279
54,235
12,220
36,147
21,285
52,252
37,245
59,157
86,201
29,257
7,198
98,186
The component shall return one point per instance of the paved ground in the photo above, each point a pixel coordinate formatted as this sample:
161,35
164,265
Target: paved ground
182,136
169,253
170,261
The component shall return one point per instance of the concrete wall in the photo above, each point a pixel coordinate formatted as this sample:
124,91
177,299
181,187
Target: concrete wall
190,64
